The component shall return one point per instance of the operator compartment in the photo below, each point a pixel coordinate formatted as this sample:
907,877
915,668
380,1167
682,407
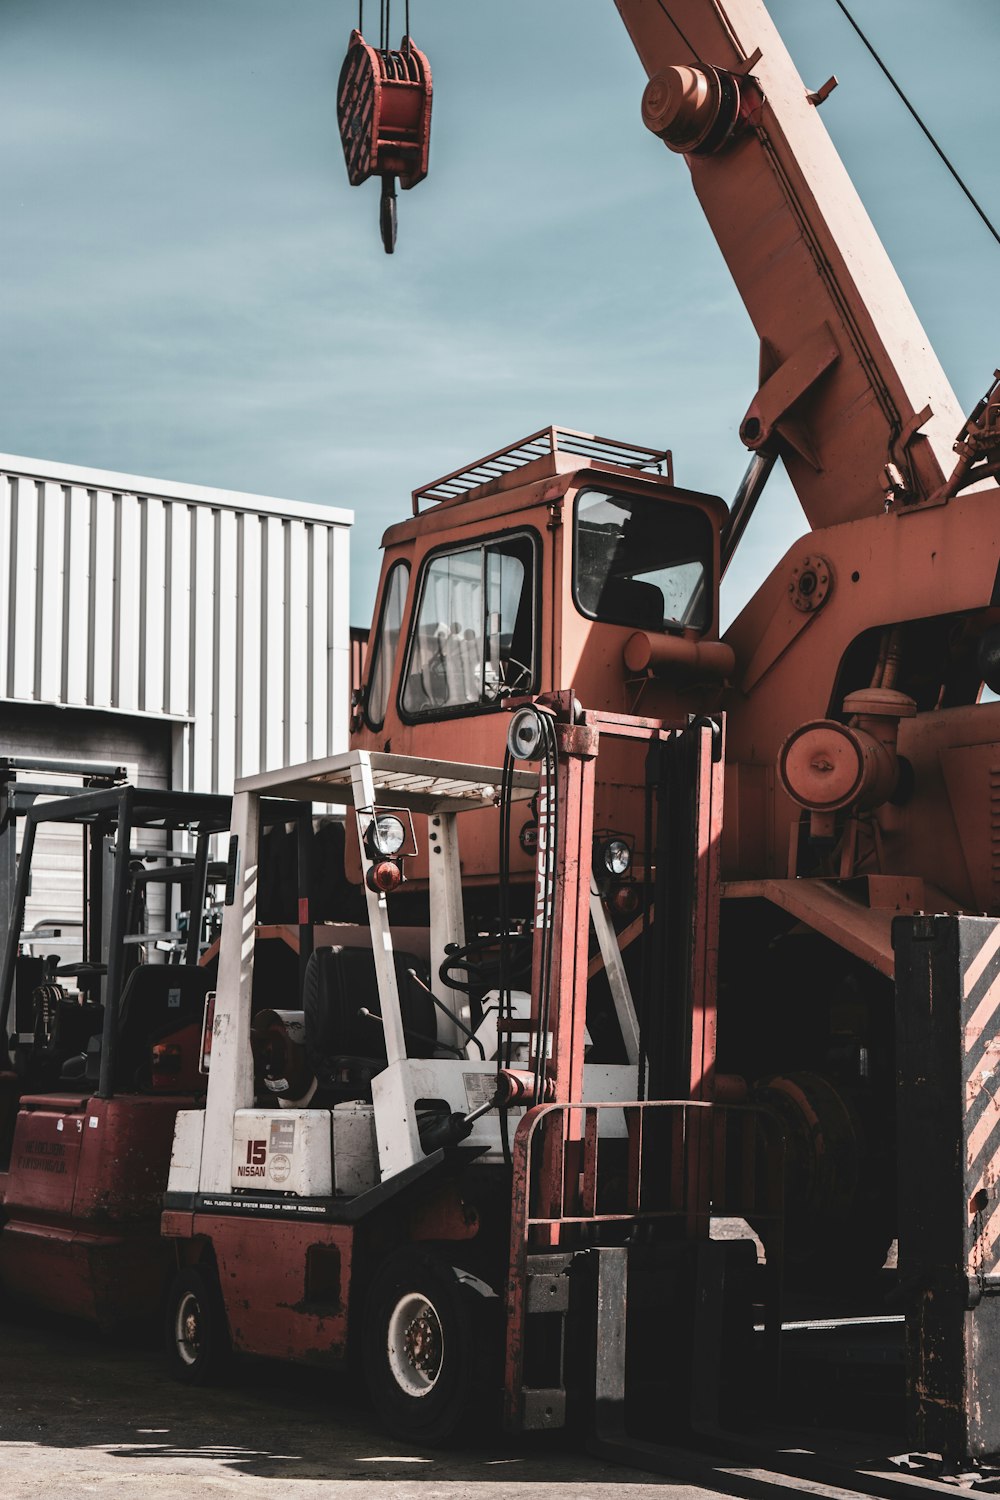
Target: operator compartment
327,1062
394,1058
562,561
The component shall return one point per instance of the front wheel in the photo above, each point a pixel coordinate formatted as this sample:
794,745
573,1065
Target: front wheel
197,1336
431,1348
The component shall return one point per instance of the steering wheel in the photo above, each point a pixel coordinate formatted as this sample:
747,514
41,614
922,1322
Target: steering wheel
480,960
514,682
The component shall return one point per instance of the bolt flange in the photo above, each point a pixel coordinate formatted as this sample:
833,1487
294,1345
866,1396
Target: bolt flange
811,582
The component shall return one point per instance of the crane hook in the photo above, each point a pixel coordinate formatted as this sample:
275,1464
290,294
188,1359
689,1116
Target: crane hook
387,213
384,113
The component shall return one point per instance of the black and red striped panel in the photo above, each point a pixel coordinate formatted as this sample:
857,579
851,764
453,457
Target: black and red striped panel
948,1177
357,109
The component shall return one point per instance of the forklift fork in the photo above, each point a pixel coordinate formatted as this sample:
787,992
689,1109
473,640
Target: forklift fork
621,1278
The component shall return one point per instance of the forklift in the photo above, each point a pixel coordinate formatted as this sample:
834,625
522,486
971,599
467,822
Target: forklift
430,1169
97,1055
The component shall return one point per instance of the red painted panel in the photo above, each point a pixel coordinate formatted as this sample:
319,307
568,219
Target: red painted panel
97,1158
125,1156
176,1226
285,1286
112,1279
45,1158
83,1200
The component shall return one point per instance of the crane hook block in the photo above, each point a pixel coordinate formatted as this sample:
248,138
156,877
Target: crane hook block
384,114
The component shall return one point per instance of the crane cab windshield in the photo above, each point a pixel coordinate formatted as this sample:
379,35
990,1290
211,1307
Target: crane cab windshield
638,562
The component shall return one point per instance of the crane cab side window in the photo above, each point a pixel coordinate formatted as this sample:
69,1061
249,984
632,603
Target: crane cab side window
385,644
642,561
473,641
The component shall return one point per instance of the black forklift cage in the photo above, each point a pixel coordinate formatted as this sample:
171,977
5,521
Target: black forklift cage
18,795
124,808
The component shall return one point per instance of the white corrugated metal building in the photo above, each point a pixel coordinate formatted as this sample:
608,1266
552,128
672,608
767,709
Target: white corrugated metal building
192,634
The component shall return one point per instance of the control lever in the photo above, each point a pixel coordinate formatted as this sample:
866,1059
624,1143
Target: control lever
484,1109
449,1130
445,1011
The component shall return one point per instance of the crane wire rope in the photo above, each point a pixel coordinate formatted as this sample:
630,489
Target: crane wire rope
979,210
899,91
385,24
689,45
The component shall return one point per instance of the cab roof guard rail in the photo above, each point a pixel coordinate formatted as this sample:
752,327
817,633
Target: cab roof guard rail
548,441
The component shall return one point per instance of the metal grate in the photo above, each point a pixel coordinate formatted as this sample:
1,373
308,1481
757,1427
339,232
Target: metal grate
547,441
407,780
421,785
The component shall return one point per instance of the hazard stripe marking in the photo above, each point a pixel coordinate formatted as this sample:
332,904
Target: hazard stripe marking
983,1013
984,1074
983,1129
977,968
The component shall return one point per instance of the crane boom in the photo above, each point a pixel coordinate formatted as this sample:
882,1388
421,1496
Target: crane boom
851,392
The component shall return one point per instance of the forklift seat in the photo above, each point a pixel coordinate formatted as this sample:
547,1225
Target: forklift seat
157,999
341,1043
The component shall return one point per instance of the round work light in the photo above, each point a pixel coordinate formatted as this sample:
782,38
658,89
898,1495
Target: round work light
616,857
387,834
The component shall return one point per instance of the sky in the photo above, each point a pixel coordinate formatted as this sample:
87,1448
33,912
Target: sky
189,289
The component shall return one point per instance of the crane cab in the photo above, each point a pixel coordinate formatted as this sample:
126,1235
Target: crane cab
563,561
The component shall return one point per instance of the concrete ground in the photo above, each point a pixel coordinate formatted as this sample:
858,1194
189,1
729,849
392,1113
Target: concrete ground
82,1416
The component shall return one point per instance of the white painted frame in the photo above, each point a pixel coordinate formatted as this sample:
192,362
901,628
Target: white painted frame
360,779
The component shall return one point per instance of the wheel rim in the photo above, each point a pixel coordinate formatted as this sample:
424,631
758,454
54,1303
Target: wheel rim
415,1344
188,1329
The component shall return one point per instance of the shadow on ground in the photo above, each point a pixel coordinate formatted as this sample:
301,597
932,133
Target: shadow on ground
64,1388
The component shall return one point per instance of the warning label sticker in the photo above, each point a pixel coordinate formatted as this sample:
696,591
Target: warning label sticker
479,1090
283,1136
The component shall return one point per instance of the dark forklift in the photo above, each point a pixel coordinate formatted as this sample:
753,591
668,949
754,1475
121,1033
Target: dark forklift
97,1056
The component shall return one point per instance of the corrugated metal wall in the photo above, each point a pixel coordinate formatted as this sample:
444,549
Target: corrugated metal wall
224,613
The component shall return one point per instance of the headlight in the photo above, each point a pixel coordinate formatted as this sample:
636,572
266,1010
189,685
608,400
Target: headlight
388,834
616,857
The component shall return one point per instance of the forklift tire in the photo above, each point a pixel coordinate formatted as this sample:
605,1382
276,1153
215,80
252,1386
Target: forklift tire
431,1342
197,1335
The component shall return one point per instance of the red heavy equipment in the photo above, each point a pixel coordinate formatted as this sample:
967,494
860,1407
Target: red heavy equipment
396,1205
861,752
